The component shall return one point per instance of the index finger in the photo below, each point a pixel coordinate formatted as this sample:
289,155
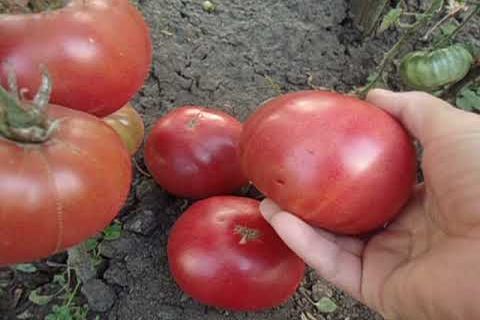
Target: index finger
424,116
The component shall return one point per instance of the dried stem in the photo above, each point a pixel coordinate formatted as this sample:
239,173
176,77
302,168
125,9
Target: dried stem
395,50
442,21
469,17
43,94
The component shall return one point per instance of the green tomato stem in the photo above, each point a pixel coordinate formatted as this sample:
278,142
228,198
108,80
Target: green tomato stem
25,122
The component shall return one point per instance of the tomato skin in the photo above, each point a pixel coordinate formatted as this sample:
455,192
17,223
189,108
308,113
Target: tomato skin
128,123
193,152
98,53
212,262
423,70
337,162
56,194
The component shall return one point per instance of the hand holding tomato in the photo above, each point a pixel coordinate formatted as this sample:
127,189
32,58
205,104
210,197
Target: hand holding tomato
424,265
336,161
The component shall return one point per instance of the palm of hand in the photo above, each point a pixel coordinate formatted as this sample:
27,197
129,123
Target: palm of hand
423,260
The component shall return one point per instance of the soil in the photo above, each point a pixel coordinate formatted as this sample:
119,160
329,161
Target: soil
243,53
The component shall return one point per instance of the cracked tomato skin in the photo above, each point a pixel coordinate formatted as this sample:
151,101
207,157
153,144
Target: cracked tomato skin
335,161
56,194
222,253
193,152
98,53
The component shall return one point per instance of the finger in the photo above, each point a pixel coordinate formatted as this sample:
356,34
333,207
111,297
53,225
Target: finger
351,244
333,263
425,116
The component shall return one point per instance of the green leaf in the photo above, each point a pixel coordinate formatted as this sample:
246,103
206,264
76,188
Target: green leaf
60,279
96,260
60,313
39,299
448,28
113,232
437,5
26,268
326,305
473,48
91,244
469,99
390,19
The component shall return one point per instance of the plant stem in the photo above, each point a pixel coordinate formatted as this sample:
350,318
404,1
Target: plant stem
73,294
469,17
442,21
392,53
25,121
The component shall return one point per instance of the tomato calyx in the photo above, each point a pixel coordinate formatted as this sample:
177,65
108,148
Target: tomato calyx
247,234
22,121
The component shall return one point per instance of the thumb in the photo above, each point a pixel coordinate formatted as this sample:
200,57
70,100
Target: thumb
425,116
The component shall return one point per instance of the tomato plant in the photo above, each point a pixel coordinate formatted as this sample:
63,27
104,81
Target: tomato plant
192,152
223,253
430,70
129,125
97,51
63,178
336,161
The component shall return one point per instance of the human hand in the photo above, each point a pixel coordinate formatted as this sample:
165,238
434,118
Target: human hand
426,263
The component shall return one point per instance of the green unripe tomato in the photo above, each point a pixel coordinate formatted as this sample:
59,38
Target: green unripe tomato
432,70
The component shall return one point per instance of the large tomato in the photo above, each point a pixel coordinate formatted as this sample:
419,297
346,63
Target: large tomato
128,123
193,152
57,193
97,51
336,161
223,253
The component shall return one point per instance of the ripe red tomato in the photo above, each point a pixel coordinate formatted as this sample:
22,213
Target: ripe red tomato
129,126
98,53
56,194
335,161
223,253
193,152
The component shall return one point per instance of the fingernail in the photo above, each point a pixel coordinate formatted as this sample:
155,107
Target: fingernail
268,208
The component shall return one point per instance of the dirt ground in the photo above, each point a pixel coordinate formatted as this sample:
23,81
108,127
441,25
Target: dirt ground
242,54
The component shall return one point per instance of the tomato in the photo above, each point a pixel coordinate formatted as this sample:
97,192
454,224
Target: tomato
193,152
335,161
129,125
222,253
61,188
430,70
97,51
